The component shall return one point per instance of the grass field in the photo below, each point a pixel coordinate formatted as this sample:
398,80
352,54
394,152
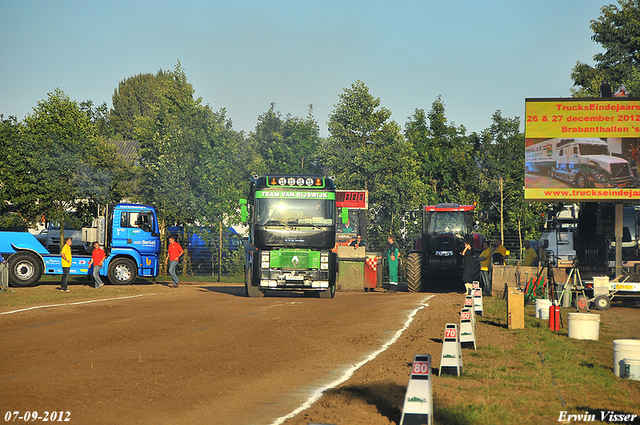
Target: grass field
533,375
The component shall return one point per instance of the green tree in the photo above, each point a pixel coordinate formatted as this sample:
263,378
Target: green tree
105,176
616,29
357,121
55,142
133,99
221,179
190,167
500,158
99,116
285,145
366,150
445,153
11,169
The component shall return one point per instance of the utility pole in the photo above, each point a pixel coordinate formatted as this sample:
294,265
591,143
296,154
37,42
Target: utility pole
605,91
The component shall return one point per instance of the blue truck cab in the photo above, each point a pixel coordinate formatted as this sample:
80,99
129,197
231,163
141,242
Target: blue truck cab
128,233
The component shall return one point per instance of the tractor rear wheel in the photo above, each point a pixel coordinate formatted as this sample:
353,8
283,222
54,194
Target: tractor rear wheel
414,263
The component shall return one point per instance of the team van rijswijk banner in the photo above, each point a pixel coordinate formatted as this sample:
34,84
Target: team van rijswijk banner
582,149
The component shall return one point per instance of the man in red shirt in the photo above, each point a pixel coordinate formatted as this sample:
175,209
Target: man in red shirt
173,256
97,258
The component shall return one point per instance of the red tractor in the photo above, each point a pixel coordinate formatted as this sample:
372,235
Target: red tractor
437,251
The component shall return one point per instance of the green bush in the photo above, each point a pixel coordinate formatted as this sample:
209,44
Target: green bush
233,264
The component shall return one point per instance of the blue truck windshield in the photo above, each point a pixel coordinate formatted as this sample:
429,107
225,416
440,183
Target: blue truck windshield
294,212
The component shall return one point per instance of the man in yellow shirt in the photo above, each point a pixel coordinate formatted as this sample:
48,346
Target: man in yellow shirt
499,252
530,255
485,268
65,260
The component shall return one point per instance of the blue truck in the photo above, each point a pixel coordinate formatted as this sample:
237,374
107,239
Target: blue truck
128,233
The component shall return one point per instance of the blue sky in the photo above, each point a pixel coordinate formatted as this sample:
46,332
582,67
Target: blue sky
479,56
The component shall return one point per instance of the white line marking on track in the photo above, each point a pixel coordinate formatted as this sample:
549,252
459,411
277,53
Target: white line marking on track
76,303
351,370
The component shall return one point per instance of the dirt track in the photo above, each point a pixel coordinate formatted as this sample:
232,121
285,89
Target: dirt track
198,354
205,354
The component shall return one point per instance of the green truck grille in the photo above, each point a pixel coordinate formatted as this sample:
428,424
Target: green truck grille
298,259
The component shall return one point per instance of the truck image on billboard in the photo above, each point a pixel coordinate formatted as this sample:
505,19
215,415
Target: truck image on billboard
582,149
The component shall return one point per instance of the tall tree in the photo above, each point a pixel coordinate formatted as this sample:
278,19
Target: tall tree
99,116
500,158
169,135
55,143
11,168
445,156
133,99
366,150
616,29
189,156
285,145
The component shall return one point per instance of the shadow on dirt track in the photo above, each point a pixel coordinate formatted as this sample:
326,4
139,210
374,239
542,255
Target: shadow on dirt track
238,291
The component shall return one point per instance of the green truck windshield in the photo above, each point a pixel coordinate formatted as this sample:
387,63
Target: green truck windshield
272,211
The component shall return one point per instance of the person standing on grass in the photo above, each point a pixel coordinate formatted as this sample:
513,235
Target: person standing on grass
65,260
485,268
174,253
97,258
531,256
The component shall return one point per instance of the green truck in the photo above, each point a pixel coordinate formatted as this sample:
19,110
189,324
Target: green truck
292,230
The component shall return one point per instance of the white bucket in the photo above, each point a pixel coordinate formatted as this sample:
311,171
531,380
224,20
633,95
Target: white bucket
584,326
542,308
628,349
631,369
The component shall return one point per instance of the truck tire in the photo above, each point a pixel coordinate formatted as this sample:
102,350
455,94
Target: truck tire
122,271
333,272
329,293
581,181
25,269
251,291
414,263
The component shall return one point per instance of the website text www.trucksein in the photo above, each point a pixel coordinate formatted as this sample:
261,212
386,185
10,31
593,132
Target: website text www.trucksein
618,193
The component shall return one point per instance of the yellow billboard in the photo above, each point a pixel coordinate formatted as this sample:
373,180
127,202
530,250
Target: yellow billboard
582,149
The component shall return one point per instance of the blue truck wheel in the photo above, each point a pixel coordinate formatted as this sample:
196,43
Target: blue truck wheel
122,271
25,269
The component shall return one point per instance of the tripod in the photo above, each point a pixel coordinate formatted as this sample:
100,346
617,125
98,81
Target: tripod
531,287
577,284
